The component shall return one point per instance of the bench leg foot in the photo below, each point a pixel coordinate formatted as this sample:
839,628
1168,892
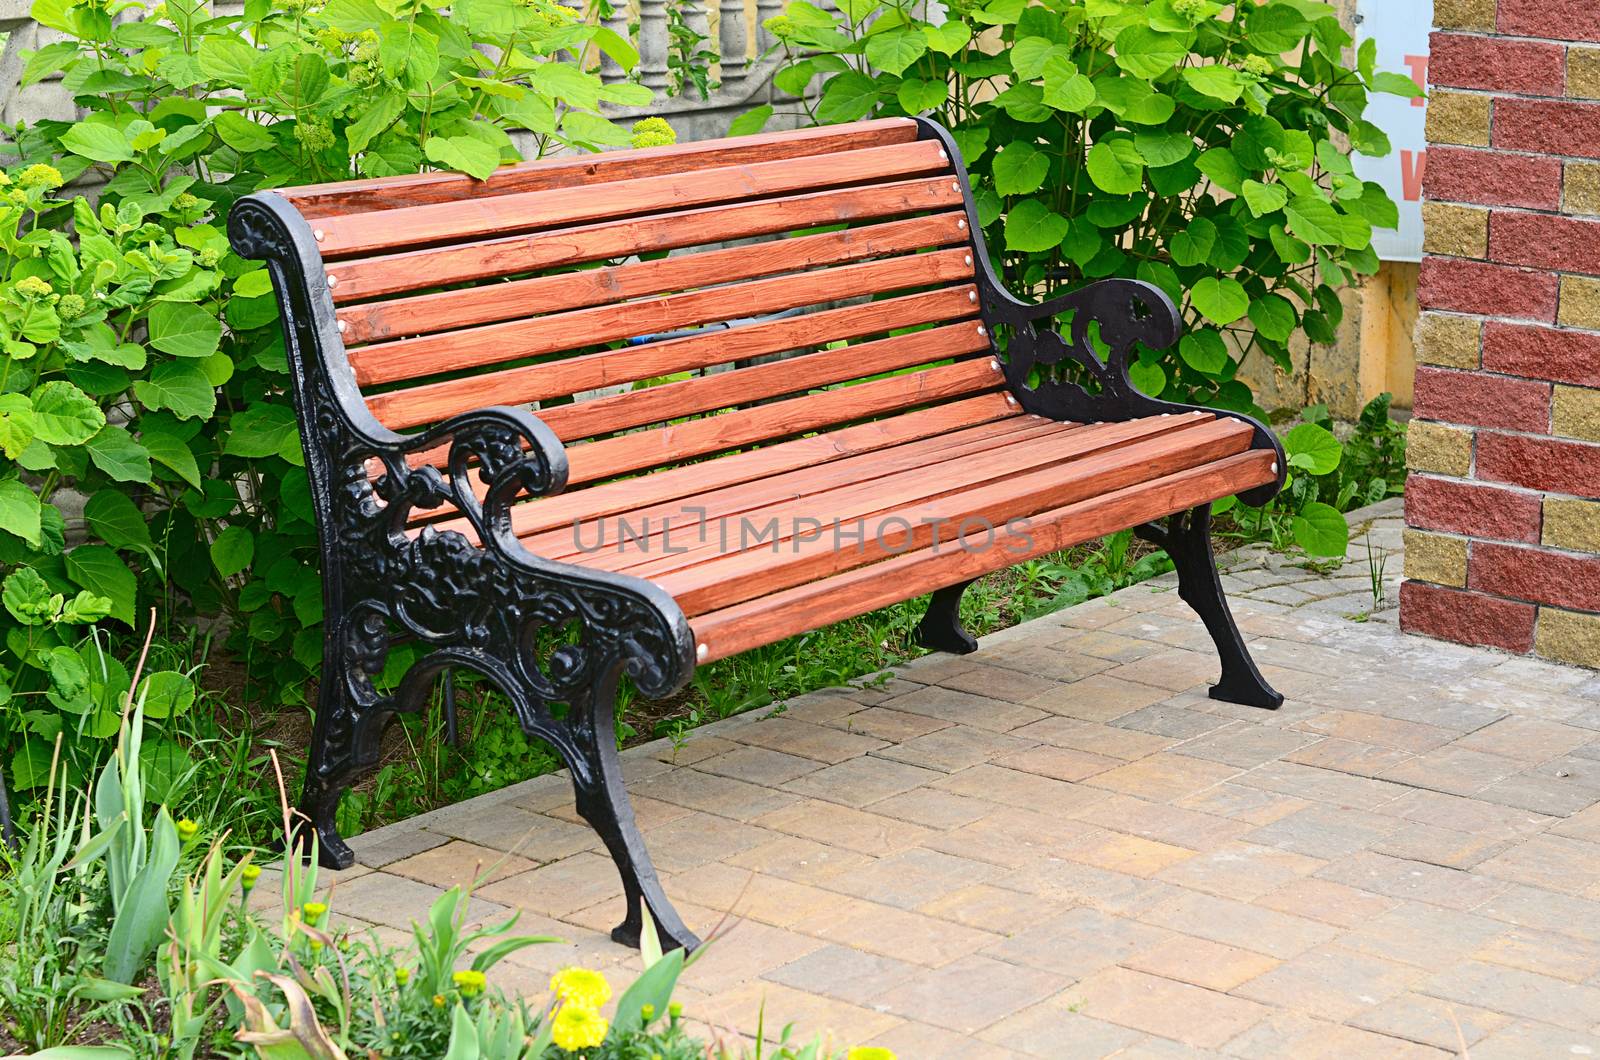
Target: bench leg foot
602,800
1187,539
940,629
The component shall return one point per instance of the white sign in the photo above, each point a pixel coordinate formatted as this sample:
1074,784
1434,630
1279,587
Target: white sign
1400,28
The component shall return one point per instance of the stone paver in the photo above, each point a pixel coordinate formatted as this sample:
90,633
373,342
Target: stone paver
1061,847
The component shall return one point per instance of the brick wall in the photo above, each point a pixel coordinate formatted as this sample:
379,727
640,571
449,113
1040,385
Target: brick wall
1503,502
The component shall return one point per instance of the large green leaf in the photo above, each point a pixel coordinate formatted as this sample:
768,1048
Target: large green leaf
184,329
848,97
98,569
1221,301
115,452
98,141
228,59
1314,220
116,520
1193,245
1146,53
16,424
64,414
1264,198
174,453
181,386
409,54
895,50
1032,226
1274,317
1204,351
232,551
19,511
1312,449
1218,82
468,154
1116,167
1019,168
1321,530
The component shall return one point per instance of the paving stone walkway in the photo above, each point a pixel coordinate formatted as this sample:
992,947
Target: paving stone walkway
1060,847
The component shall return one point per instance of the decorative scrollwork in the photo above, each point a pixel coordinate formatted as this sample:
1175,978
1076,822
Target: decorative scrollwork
470,596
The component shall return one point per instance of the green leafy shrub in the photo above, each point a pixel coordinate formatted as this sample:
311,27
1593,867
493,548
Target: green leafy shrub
1195,145
143,368
121,926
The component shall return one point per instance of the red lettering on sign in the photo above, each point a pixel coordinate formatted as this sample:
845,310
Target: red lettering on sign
1419,74
1412,166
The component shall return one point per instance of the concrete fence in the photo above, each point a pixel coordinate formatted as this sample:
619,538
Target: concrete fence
732,28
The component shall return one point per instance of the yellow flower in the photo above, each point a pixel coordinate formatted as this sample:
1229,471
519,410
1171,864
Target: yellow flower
187,830
438,1001
470,983
41,176
249,875
653,132
582,987
314,912
577,1028
33,287
869,1052
402,976
5,178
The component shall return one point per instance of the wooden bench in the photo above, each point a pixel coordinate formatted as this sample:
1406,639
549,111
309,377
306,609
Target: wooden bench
931,407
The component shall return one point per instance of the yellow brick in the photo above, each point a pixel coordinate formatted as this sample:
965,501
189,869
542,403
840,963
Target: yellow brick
1580,302
1572,524
1583,72
1569,636
1458,118
1449,340
1464,14
1436,558
1577,413
1458,231
1583,188
1438,448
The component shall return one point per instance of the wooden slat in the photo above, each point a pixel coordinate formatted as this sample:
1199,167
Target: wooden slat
669,445
593,371
929,457
444,310
450,351
987,412
387,193
769,619
461,220
670,401
722,582
869,496
435,266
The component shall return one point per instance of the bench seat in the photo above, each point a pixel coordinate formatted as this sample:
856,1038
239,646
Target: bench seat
753,556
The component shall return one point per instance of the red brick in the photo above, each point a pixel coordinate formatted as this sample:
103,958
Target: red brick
1542,353
1557,19
1542,241
1471,508
1535,574
1540,463
1546,126
1532,68
1467,618
1491,178
1487,290
1481,400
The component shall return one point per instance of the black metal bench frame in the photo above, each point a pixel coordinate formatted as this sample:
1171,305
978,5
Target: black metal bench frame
480,609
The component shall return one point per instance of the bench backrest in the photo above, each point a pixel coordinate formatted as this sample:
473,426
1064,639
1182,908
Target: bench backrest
532,287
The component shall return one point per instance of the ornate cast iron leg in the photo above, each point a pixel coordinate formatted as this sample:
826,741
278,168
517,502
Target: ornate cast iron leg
940,629
343,748
1187,539
602,800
